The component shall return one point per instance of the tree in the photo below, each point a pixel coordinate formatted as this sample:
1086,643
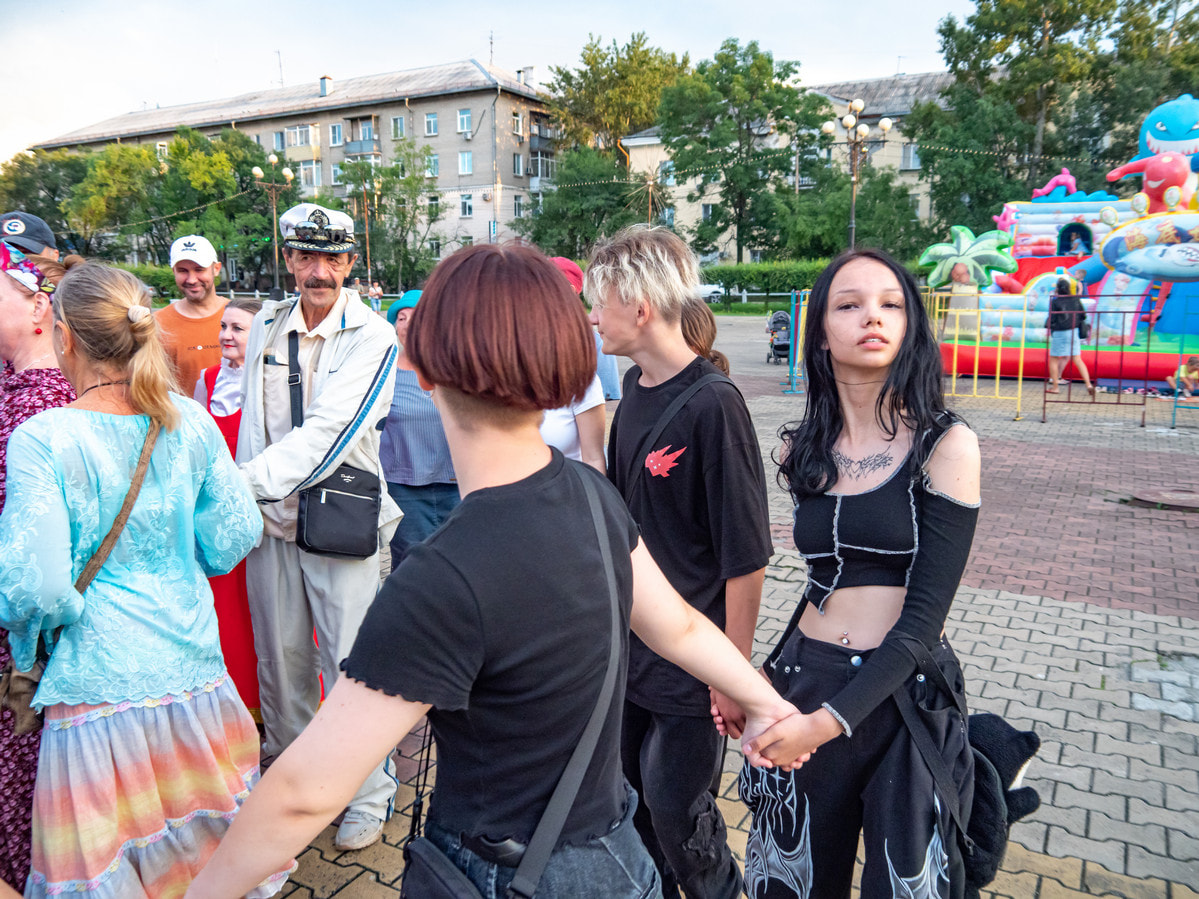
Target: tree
1039,49
592,197
737,124
397,208
814,219
115,193
40,182
614,93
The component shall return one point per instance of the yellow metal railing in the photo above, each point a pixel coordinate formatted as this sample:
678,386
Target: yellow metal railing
962,328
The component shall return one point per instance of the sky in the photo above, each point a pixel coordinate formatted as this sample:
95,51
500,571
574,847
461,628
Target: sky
74,63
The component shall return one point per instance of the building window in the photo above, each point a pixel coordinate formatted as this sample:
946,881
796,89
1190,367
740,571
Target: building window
755,255
518,123
668,216
911,157
466,206
279,145
435,247
298,136
706,212
518,164
518,206
398,127
432,166
335,176
258,139
335,137
666,172
463,120
466,162
160,149
468,241
434,207
310,173
430,124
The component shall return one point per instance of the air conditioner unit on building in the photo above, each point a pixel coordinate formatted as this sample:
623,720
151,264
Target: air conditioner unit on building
520,138
486,196
466,135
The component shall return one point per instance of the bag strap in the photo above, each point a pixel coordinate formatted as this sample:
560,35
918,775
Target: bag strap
101,555
294,384
667,416
933,759
545,837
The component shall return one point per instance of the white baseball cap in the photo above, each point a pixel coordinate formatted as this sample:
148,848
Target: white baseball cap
193,248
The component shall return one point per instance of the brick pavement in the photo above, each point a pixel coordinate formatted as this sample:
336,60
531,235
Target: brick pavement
1086,629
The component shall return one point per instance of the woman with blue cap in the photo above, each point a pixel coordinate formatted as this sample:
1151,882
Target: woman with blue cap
416,457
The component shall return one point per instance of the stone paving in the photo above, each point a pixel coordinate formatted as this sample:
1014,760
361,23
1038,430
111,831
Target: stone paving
1078,617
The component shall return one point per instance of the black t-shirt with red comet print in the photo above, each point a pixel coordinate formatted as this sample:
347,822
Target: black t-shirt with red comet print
700,504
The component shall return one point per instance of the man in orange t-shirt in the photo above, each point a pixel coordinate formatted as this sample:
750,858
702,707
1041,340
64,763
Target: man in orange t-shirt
192,324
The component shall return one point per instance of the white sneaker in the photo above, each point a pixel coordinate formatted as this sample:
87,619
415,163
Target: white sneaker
358,830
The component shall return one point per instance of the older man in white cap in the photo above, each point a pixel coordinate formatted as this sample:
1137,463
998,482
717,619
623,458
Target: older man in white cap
191,325
320,373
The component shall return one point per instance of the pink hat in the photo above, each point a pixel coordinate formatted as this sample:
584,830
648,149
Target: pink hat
573,273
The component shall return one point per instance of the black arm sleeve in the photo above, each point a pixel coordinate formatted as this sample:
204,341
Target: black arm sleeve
946,532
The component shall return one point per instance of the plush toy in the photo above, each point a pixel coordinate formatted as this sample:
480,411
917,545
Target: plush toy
1001,756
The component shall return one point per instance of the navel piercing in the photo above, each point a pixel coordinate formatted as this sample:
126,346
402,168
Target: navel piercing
844,638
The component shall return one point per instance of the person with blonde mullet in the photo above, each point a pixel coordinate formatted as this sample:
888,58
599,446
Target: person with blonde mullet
147,751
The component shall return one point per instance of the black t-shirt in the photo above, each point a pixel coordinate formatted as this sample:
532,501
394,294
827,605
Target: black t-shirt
700,505
500,620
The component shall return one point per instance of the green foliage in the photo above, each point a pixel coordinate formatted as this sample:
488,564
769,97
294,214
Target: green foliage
400,207
727,125
614,93
39,182
765,277
158,278
814,222
981,255
592,199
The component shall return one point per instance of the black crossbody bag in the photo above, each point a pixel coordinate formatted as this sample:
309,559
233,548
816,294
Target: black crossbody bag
428,872
338,516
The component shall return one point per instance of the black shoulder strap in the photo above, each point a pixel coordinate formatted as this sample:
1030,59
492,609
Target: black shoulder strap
293,379
667,416
920,733
541,845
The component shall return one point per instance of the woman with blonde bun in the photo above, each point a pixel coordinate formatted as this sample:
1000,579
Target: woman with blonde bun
147,751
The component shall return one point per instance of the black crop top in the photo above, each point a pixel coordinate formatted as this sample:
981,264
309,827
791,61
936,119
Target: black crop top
859,539
902,533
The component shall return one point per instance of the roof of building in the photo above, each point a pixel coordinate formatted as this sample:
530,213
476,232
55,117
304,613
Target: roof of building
890,96
448,78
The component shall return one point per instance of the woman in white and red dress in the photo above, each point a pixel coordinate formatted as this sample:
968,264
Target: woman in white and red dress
219,391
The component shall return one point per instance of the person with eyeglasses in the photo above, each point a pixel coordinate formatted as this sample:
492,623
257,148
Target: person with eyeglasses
346,360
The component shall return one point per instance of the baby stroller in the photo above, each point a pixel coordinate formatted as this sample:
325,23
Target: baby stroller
779,328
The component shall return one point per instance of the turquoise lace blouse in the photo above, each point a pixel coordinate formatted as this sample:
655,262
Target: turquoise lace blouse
145,628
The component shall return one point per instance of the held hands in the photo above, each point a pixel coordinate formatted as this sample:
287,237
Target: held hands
790,742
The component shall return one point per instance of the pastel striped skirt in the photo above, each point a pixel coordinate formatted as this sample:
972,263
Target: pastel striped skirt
132,798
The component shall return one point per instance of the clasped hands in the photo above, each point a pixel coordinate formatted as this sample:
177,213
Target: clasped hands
784,739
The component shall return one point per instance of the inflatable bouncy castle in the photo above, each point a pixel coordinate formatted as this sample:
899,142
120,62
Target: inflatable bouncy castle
1136,259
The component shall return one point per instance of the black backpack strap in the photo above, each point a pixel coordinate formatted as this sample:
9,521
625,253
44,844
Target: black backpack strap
667,416
294,384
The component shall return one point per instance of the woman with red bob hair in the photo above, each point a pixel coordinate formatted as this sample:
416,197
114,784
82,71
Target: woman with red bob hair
498,626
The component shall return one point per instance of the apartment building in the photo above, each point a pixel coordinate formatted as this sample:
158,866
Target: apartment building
487,128
892,97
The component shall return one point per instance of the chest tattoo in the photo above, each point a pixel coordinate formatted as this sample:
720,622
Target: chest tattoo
860,468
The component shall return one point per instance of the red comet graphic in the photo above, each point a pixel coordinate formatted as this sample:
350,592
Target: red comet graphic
659,462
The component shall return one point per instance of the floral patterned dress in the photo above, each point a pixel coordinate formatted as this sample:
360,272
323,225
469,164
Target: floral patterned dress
22,396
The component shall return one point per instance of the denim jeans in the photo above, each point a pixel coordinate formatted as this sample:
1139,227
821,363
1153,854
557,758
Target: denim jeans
613,866
425,508
670,760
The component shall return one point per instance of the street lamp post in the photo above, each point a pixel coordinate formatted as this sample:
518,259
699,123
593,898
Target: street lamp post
273,189
857,137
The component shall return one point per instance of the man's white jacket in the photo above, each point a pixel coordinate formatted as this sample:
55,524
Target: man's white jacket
350,397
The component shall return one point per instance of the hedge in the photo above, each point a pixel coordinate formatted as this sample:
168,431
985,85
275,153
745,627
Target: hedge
159,278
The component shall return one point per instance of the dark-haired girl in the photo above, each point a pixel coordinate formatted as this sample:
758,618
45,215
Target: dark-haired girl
886,490
498,624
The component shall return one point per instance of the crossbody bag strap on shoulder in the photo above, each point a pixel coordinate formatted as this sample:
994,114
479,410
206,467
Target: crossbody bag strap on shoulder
295,385
667,416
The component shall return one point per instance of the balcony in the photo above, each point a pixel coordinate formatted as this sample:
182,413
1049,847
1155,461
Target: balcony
362,147
541,167
538,142
303,154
